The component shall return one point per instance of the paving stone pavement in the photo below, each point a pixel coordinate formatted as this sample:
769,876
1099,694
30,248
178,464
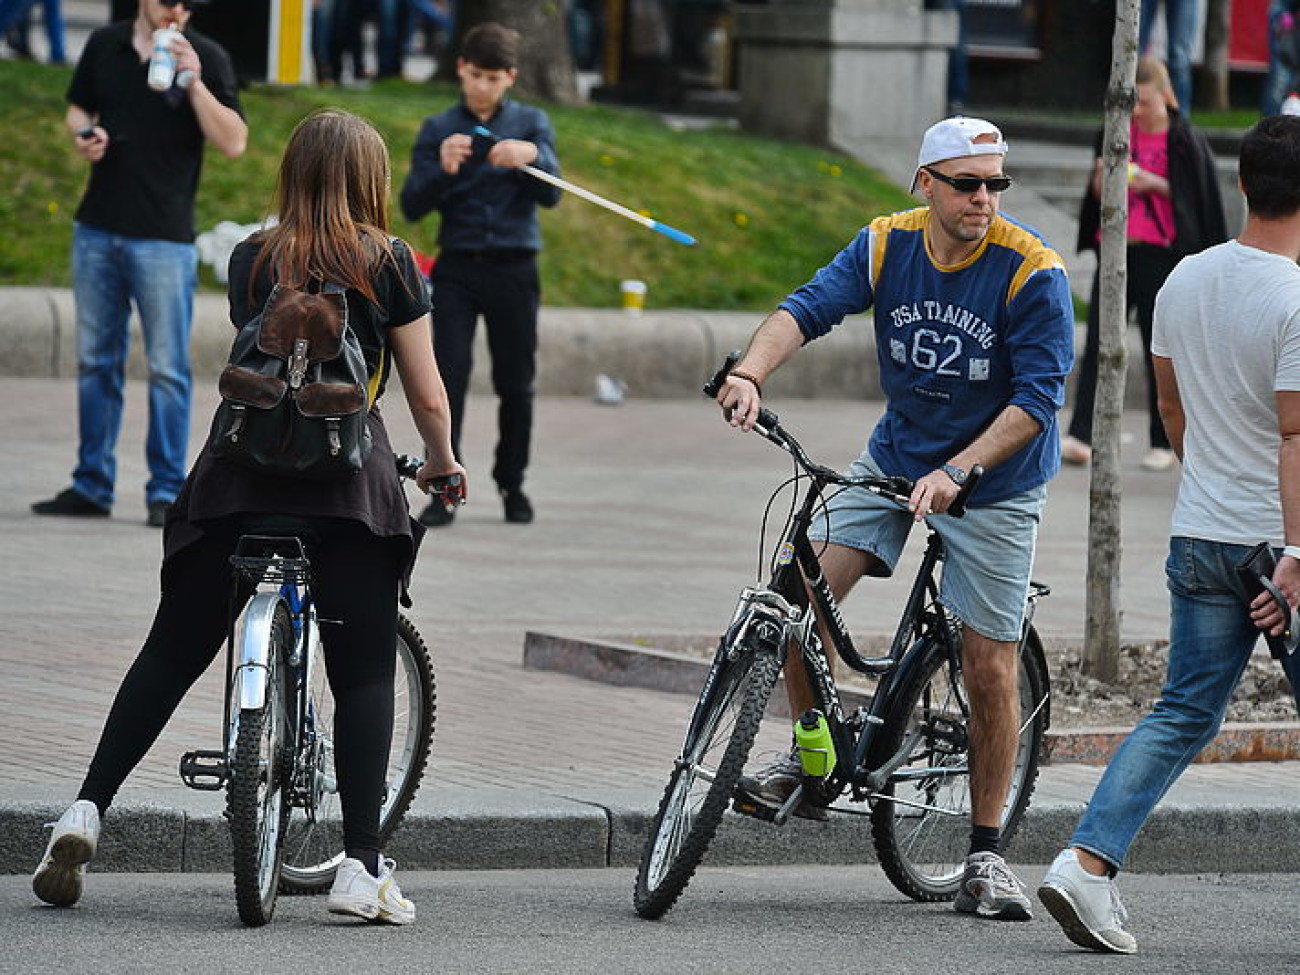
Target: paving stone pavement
648,519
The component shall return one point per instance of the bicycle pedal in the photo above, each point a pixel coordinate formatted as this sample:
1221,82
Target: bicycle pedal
756,810
204,770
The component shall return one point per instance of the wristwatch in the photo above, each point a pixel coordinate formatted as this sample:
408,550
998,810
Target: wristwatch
956,473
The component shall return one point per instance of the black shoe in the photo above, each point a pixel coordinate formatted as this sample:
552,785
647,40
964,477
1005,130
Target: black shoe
437,515
157,516
519,510
70,502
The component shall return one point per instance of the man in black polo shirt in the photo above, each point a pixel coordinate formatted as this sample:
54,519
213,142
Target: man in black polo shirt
133,240
488,240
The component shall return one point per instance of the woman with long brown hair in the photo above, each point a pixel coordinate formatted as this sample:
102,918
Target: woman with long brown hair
331,202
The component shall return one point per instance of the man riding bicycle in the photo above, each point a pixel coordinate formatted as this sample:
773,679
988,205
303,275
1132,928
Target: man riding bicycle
974,338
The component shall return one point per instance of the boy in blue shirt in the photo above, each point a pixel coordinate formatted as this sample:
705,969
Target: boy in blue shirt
975,338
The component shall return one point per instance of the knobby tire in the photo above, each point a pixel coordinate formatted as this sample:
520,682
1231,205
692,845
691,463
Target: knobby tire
314,849
692,806
922,852
256,800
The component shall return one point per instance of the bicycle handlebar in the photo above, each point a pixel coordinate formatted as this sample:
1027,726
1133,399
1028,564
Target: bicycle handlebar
444,485
897,489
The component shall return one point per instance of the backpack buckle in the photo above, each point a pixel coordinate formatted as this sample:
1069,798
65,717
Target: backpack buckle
298,363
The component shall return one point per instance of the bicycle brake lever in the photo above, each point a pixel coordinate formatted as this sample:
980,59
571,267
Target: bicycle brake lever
712,387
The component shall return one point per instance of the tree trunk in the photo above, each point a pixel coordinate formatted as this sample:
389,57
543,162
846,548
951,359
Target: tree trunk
1101,634
545,65
1215,73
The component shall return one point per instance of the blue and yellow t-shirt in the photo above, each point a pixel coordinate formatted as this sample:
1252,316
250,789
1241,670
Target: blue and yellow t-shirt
956,344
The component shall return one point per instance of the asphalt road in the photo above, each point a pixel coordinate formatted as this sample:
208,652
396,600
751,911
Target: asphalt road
828,919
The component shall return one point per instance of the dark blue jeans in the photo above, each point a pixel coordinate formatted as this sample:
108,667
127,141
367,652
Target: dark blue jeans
1210,640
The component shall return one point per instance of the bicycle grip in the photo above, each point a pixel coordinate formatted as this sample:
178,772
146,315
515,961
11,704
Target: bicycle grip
958,507
713,385
407,465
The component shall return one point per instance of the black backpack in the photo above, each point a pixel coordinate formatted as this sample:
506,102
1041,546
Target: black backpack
293,396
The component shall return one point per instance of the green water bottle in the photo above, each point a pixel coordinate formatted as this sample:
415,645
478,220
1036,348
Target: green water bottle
812,737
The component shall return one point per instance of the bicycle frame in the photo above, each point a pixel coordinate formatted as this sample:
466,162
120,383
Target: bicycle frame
799,595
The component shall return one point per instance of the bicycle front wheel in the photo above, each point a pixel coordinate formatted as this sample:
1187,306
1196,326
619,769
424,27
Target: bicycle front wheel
256,799
314,835
921,826
723,729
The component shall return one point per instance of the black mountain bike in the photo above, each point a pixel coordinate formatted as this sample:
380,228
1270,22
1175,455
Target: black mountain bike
905,756
277,763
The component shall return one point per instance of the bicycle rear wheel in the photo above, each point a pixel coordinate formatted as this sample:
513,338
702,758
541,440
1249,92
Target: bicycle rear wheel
314,837
922,836
256,799
723,728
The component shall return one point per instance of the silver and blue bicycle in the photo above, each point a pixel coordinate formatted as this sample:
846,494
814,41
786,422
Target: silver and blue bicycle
276,762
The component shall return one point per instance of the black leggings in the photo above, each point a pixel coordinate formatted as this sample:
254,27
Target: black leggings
355,583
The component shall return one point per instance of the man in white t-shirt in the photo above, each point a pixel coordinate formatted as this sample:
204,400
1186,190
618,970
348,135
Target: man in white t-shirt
1226,350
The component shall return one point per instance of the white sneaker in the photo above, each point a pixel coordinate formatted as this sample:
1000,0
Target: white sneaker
1086,907
60,877
1075,451
1158,459
377,899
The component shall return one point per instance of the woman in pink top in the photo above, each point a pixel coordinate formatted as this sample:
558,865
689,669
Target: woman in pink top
1174,209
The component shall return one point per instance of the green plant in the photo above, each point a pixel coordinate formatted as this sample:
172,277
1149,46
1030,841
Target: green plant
767,213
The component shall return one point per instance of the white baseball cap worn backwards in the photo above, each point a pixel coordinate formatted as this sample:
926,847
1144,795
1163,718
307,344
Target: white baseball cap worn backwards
954,138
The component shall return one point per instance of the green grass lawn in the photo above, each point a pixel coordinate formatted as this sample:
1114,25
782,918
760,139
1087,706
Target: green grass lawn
767,214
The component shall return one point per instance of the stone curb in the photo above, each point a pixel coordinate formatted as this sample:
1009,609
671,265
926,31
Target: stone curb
655,668
657,353
468,829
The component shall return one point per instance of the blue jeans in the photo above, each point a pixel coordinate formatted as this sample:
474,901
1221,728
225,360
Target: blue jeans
1210,641
1180,36
11,11
110,271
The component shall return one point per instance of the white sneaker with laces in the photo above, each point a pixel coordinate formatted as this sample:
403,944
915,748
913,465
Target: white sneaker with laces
1158,459
377,899
989,889
1087,907
61,875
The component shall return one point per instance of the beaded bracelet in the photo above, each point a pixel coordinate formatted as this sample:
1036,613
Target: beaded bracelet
748,378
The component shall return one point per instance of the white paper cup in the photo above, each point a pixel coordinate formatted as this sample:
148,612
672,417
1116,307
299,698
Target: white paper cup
633,295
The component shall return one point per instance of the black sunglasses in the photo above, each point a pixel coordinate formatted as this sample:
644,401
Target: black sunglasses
187,4
971,184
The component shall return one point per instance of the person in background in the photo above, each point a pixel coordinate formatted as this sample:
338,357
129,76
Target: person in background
1283,56
1227,363
15,15
133,241
489,237
1174,209
1181,20
958,67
